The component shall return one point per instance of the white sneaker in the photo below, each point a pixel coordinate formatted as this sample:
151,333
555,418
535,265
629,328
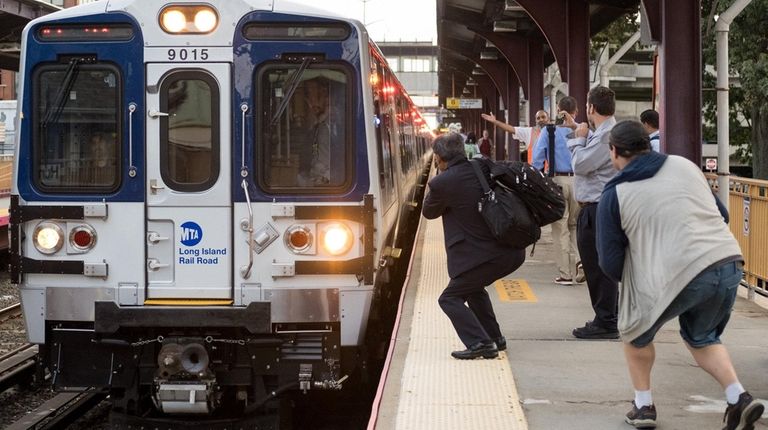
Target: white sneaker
563,281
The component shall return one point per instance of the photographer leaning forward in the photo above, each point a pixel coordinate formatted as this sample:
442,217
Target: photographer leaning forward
664,236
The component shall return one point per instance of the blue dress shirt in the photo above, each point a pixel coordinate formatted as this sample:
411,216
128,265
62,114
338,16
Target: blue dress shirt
562,153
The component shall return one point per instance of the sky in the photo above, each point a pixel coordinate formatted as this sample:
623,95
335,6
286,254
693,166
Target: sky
387,20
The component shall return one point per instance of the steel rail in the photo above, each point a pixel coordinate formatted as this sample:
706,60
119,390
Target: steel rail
18,366
11,312
60,411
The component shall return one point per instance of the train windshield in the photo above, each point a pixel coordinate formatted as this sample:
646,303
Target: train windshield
304,129
76,112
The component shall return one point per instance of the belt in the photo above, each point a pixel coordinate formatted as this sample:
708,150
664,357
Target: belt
585,204
563,173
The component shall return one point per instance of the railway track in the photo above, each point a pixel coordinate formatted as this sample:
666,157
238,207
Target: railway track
60,411
10,312
18,366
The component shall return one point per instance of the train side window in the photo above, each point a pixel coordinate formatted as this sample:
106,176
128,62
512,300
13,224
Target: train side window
385,152
189,135
304,132
77,130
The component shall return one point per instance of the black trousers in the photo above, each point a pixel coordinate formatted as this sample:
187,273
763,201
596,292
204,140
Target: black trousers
603,292
476,322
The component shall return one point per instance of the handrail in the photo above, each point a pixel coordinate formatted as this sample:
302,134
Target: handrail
246,271
748,210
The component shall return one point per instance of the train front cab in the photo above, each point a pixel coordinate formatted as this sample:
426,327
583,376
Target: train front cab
165,241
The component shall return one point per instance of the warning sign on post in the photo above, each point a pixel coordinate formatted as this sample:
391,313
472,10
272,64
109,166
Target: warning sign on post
710,164
745,208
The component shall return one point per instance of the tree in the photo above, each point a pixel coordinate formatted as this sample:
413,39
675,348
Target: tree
616,33
748,49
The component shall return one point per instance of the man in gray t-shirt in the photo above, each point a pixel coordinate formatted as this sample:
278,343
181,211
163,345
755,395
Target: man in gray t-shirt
592,168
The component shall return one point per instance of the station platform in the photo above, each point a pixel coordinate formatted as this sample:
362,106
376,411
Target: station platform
547,379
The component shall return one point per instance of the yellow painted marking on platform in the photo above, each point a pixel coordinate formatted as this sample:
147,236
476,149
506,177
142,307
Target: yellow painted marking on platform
514,290
188,302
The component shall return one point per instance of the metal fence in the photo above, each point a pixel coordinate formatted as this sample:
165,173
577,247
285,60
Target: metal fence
748,208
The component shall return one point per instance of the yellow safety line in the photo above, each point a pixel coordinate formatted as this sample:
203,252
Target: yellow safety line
188,302
514,290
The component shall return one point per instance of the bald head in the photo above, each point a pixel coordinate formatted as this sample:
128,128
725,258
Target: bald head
542,118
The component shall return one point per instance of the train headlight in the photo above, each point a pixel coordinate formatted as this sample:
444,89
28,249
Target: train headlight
174,21
298,239
82,237
205,20
48,238
198,19
336,238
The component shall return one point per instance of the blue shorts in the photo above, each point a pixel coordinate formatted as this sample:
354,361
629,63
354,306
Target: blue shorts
703,307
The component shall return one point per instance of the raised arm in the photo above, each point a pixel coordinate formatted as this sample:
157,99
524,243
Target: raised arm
503,125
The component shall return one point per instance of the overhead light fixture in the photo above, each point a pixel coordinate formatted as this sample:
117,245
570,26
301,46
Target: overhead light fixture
489,55
478,72
513,6
465,91
504,26
489,44
471,83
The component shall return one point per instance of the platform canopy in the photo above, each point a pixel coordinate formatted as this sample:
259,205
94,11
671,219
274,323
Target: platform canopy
14,15
523,36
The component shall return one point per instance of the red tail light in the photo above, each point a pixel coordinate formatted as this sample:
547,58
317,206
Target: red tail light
82,238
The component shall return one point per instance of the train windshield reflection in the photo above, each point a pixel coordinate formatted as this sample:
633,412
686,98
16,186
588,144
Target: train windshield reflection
304,129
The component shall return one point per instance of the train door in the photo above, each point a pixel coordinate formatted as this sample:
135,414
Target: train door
189,227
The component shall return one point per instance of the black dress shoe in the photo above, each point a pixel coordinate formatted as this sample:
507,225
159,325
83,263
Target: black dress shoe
480,349
594,331
501,343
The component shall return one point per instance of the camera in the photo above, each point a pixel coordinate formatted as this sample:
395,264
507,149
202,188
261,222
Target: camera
560,118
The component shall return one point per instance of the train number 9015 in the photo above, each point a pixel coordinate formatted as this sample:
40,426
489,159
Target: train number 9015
194,54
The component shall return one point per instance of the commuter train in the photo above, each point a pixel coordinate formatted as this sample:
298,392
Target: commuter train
210,202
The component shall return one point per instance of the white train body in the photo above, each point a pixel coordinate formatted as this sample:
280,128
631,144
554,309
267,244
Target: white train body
208,198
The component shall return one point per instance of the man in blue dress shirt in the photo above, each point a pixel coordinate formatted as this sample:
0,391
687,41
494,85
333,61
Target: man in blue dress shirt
563,230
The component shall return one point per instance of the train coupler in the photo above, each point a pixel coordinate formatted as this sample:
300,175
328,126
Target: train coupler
329,383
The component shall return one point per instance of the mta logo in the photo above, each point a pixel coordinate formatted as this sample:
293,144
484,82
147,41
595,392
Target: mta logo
191,233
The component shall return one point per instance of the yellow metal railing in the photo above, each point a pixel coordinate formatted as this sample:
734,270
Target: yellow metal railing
748,209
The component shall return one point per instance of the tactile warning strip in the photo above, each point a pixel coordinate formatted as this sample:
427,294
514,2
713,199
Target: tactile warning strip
439,392
514,290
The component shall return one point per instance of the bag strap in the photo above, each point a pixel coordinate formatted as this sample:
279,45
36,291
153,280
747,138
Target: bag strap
476,166
551,132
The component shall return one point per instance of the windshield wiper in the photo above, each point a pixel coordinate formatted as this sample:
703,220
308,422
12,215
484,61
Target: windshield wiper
53,112
290,87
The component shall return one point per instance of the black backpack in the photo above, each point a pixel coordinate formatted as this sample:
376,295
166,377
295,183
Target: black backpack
541,195
506,215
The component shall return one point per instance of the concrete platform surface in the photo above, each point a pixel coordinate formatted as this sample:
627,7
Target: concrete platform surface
562,382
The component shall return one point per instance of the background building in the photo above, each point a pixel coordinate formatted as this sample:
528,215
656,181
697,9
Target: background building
415,64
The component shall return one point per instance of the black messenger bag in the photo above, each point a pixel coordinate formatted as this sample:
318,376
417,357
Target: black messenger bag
505,214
